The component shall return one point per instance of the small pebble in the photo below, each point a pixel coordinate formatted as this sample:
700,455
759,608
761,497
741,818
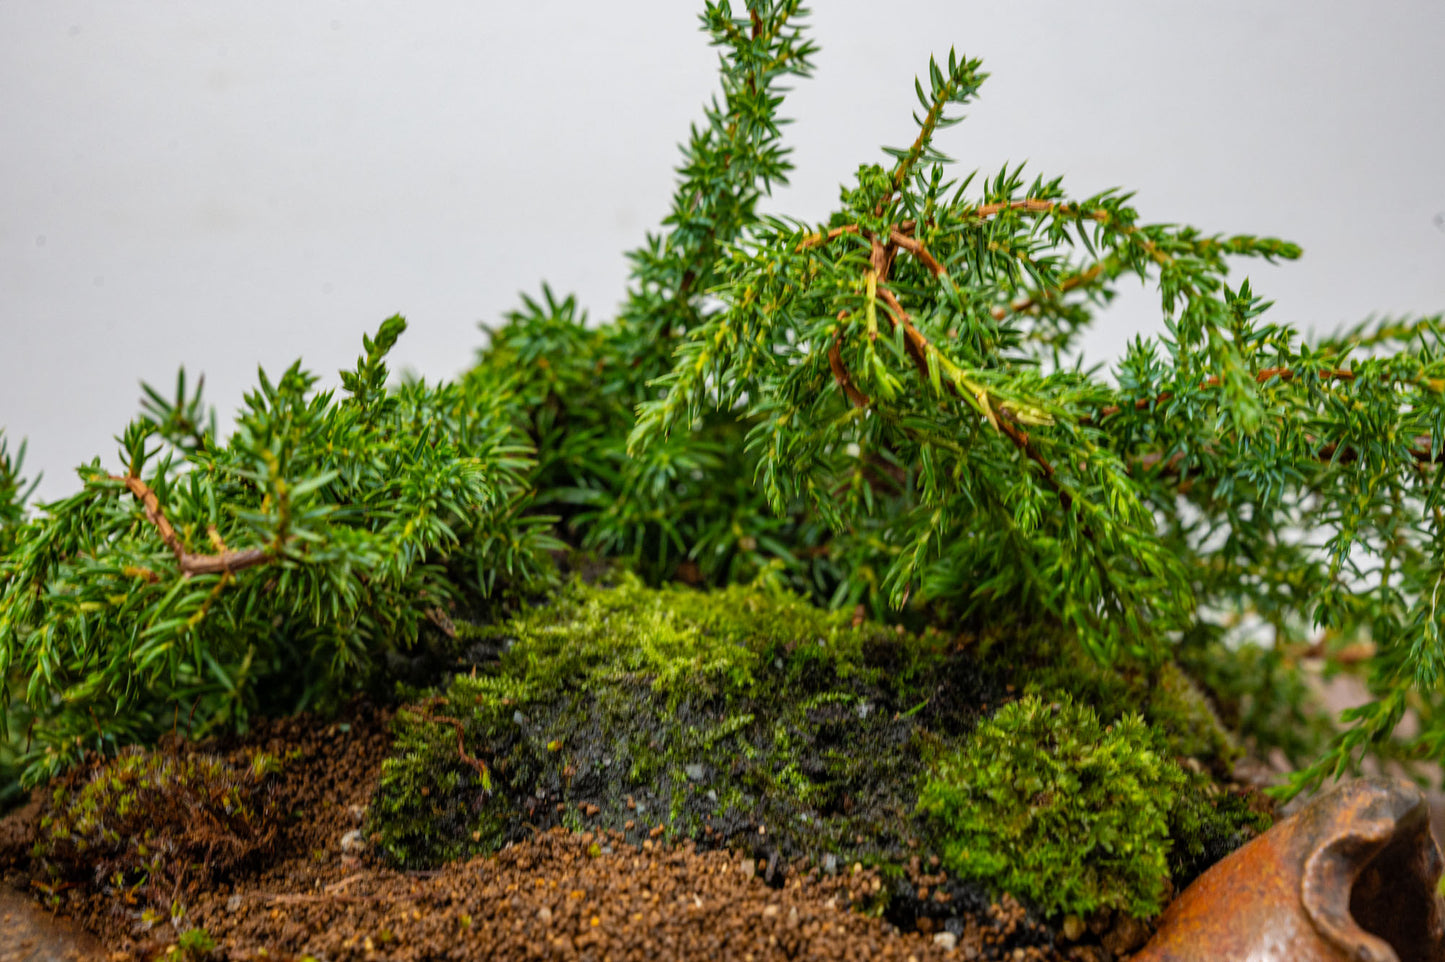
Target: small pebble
946,941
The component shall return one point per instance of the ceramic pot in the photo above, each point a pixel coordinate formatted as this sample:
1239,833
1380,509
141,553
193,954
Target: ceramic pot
1352,875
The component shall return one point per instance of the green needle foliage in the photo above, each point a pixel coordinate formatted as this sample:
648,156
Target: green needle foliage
14,492
887,409
688,500
1229,466
273,571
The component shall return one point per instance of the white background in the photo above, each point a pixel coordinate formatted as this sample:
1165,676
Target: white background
221,185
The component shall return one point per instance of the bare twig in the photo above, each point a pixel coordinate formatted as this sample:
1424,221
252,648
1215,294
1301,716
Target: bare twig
840,370
226,562
915,247
1283,373
476,763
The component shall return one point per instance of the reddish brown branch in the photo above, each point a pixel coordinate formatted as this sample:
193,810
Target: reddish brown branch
915,247
476,763
1029,204
1101,216
913,340
152,507
881,257
1283,373
816,240
1015,433
191,564
918,347
841,375
901,236
1026,303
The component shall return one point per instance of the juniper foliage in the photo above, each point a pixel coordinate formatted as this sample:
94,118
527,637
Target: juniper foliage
269,572
1228,466
888,408
15,491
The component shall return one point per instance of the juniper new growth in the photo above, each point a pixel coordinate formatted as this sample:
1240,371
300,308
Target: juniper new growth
887,409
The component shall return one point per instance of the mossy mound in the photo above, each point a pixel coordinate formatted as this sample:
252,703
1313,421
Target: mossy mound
1049,803
738,717
733,716
147,821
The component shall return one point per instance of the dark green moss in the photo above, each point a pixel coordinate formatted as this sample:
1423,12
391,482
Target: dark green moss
1043,663
737,716
1207,824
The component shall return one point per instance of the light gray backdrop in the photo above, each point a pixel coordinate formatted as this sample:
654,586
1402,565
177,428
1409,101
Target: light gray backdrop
226,184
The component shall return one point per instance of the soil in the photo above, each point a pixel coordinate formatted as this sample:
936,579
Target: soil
315,887
29,934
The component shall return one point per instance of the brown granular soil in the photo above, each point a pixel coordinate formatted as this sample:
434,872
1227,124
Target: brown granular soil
561,895
577,896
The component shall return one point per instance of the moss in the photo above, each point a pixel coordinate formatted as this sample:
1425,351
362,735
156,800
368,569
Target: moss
1207,824
1047,803
742,715
191,945
750,719
1045,664
150,819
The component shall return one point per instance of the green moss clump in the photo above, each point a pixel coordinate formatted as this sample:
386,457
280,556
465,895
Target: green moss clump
191,945
150,819
1049,804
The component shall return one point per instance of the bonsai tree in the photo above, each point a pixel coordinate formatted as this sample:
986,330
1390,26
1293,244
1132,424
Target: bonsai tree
883,410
